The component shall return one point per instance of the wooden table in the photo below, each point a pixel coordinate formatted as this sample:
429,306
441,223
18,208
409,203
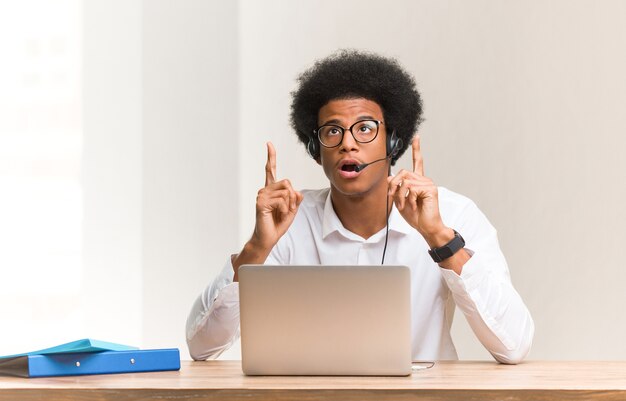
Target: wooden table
223,380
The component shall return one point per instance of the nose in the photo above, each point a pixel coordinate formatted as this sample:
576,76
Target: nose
348,143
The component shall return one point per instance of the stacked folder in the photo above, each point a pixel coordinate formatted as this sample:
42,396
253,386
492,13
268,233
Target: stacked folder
89,357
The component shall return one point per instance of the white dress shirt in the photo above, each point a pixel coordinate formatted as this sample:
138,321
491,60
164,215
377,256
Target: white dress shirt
483,291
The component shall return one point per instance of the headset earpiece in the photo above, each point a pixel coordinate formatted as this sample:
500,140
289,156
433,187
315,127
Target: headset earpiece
398,146
394,144
311,148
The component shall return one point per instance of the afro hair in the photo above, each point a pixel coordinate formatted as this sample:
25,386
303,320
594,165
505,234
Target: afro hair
349,74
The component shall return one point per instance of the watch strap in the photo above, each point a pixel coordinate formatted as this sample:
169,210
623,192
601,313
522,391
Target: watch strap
444,252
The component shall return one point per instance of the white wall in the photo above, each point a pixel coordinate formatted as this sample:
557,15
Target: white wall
112,171
160,163
523,114
190,117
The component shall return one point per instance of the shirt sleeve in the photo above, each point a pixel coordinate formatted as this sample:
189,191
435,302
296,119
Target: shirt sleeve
484,292
213,322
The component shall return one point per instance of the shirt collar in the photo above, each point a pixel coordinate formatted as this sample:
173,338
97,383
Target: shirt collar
331,222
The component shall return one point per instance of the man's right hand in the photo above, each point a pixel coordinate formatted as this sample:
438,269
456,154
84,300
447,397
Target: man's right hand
276,206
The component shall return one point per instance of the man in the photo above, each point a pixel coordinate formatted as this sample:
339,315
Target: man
356,113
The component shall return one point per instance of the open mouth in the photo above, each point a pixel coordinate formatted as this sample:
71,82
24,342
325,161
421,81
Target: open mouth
348,167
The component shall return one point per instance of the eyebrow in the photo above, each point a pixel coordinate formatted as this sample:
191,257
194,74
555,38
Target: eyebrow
359,118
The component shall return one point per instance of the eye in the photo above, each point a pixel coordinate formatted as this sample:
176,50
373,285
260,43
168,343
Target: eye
365,128
330,130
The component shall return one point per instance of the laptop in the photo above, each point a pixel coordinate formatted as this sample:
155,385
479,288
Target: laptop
325,320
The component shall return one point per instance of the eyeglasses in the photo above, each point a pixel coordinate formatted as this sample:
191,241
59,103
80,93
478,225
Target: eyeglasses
363,131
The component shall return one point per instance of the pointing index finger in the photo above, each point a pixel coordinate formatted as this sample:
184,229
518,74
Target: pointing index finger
270,166
418,161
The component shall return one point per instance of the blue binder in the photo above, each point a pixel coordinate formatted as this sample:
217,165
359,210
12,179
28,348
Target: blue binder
83,345
90,363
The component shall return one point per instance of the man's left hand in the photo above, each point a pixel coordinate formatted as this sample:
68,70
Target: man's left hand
416,198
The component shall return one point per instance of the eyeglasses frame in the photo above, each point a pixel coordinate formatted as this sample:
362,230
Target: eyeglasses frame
343,131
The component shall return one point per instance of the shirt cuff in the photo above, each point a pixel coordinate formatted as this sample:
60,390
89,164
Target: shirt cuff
470,278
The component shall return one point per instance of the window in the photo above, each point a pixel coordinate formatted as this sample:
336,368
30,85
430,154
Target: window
40,157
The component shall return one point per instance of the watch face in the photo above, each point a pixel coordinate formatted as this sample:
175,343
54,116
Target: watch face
446,252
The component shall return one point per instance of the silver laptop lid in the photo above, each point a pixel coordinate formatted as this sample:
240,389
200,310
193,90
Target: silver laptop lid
325,320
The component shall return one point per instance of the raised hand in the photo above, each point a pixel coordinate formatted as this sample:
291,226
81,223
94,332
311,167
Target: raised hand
276,205
416,198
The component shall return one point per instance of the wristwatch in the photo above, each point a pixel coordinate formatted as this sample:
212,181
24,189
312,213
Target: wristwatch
444,252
